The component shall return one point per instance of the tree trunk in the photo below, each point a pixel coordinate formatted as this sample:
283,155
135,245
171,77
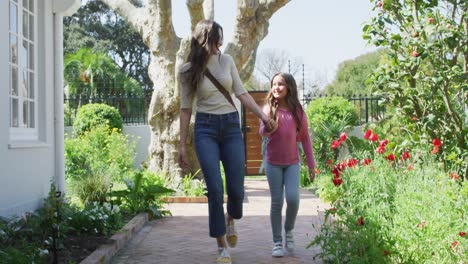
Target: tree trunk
168,52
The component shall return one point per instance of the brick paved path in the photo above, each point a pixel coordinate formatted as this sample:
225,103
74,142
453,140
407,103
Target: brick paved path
183,237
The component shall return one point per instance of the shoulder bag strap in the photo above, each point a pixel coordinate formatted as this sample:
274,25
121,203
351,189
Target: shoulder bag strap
220,87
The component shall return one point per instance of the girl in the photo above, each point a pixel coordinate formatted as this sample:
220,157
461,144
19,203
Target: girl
282,156
217,135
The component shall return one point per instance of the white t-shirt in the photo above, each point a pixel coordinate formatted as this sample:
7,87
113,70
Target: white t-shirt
209,99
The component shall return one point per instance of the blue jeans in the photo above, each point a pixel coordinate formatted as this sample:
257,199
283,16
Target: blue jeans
219,138
283,179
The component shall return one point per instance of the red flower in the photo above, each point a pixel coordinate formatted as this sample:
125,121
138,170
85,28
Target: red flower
454,176
391,157
436,142
453,245
380,149
374,137
462,234
415,54
421,224
410,168
435,150
352,162
337,181
343,137
335,144
405,155
368,134
360,221
383,143
415,118
328,162
366,161
386,252
336,171
430,20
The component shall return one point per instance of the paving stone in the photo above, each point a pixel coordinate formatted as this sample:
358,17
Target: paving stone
183,237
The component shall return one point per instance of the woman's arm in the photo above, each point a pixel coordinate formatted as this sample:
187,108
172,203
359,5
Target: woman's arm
247,100
185,115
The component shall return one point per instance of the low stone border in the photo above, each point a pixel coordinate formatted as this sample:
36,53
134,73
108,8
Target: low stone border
104,253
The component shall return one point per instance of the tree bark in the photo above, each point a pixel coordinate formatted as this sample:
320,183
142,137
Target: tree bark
168,52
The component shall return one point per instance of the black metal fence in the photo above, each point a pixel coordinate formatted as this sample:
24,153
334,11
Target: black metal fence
132,108
368,108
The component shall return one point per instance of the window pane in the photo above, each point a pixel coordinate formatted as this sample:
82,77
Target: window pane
13,18
31,85
25,114
24,54
31,5
24,85
14,81
13,49
31,57
31,115
14,113
25,25
31,27
25,4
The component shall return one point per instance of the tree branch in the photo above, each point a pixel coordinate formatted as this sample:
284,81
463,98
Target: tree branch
251,27
129,12
195,8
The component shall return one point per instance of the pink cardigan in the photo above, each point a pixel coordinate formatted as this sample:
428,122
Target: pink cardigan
281,148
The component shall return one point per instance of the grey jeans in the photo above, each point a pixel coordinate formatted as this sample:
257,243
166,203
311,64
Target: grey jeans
283,179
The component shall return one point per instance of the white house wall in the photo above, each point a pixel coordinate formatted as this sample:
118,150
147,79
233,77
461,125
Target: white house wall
27,168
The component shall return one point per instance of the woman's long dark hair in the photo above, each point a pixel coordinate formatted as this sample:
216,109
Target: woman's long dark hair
205,37
292,99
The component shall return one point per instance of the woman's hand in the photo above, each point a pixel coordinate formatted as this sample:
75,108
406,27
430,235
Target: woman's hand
312,174
183,164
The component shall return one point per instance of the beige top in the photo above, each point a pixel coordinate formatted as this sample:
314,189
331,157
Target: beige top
209,99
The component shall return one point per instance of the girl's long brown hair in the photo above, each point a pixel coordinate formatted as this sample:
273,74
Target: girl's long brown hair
292,99
205,37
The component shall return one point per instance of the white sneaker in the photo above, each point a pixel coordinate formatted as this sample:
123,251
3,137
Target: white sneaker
223,256
289,241
231,234
277,251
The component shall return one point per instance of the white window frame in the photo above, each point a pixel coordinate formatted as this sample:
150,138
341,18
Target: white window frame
23,132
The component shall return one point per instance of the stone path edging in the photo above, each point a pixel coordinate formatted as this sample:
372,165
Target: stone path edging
104,253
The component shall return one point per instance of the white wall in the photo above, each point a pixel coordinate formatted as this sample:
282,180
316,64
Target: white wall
26,168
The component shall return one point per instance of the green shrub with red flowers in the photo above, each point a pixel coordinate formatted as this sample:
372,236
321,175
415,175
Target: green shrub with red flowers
425,77
393,205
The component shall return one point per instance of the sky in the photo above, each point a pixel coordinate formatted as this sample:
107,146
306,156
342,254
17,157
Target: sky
322,33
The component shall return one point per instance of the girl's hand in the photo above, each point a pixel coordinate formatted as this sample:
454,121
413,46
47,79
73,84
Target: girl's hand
312,174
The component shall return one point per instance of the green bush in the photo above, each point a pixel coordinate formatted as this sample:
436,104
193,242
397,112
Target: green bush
395,210
331,110
91,115
95,159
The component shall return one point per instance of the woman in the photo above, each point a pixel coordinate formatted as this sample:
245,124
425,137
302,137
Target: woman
217,134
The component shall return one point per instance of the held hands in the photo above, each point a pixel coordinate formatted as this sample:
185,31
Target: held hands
270,124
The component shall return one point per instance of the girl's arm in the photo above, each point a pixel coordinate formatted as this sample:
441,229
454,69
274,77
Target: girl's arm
307,143
263,131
